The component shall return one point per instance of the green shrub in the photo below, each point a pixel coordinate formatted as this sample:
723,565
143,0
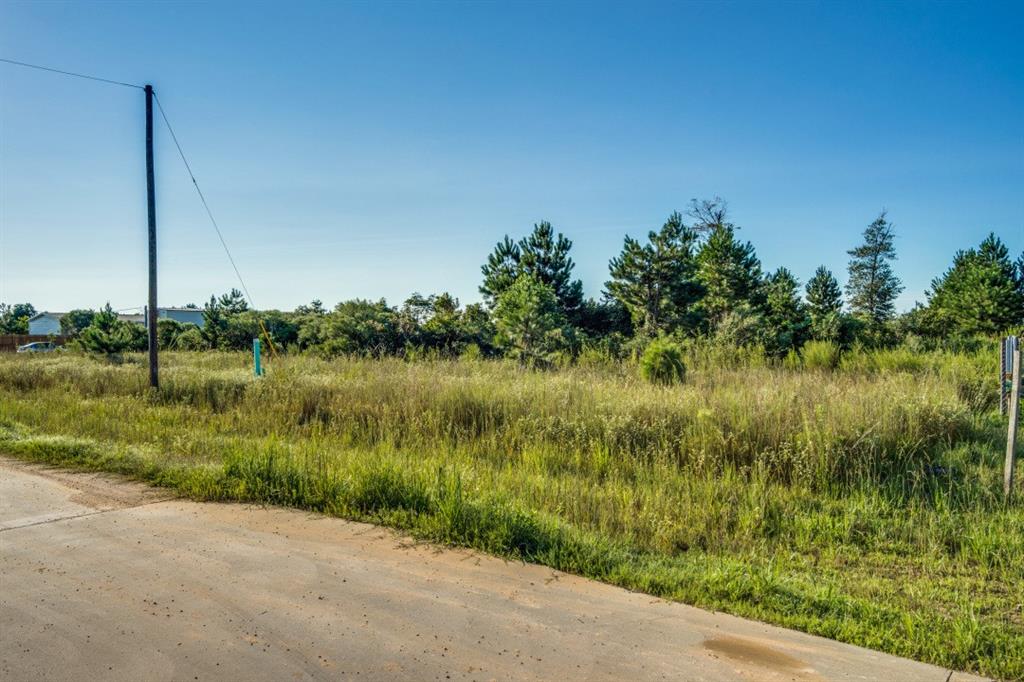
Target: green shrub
190,338
792,361
662,363
472,352
820,355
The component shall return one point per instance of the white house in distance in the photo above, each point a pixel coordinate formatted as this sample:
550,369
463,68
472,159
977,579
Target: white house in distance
47,323
183,315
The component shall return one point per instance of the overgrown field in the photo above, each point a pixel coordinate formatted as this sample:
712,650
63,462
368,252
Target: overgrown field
862,504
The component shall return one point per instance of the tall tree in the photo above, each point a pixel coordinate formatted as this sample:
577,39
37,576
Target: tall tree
530,323
785,315
709,214
544,255
730,273
873,287
215,323
982,293
824,296
656,282
233,302
824,305
218,316
500,270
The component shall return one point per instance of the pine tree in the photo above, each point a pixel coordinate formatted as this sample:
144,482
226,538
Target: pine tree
656,282
982,293
546,257
233,302
501,270
823,294
543,255
530,323
109,335
785,315
824,306
873,287
730,273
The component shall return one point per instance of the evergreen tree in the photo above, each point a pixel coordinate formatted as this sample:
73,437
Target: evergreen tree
110,336
730,273
546,257
823,293
501,270
315,307
982,293
656,282
530,323
233,302
873,287
221,329
543,255
785,315
215,324
598,319
824,306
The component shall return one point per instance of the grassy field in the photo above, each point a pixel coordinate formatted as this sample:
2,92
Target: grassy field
862,504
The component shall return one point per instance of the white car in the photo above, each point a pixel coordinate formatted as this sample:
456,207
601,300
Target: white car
38,347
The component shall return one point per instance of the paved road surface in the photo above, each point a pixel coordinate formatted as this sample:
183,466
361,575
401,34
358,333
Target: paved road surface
106,580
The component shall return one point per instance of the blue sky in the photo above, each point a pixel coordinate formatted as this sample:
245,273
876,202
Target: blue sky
372,150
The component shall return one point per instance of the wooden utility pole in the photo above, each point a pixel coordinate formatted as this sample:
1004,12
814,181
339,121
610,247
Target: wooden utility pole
1011,434
151,310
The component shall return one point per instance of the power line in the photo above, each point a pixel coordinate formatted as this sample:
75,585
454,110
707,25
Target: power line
184,160
213,221
202,198
69,73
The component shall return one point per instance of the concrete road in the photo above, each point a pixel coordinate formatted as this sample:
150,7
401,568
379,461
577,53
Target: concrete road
106,580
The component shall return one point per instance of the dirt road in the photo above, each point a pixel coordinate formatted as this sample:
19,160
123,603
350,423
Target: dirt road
108,580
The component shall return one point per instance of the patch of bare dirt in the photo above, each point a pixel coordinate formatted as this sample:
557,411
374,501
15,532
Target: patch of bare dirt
102,492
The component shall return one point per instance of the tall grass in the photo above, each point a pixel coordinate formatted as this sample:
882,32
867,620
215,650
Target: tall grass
863,503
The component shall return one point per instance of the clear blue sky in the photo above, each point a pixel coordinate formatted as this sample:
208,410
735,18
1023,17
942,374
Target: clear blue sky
369,150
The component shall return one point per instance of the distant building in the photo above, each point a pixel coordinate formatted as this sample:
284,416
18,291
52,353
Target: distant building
183,315
135,318
45,323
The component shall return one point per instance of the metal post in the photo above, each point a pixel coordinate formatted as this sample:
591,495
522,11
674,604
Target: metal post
1011,434
1002,375
153,311
256,357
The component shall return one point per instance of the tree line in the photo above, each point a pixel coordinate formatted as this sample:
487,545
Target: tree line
692,280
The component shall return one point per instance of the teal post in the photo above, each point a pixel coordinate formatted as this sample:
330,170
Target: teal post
256,357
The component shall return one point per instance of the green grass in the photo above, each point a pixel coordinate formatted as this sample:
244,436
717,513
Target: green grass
862,504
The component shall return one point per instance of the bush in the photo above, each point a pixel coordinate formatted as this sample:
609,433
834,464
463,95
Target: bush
190,338
662,363
820,355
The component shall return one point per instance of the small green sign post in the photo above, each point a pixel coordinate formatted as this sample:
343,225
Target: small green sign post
257,368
